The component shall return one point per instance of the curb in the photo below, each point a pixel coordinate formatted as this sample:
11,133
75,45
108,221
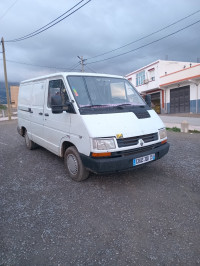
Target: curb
191,127
6,118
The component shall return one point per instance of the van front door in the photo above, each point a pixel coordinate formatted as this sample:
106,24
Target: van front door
56,126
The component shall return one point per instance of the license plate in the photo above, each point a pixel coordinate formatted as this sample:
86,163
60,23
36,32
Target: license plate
143,159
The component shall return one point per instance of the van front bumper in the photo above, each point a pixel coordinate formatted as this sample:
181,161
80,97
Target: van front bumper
121,161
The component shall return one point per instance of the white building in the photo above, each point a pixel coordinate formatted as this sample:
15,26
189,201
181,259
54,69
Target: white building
174,86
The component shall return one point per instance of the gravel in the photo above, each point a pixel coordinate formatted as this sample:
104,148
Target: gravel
149,216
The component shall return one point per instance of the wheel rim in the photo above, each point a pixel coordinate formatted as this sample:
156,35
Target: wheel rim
72,164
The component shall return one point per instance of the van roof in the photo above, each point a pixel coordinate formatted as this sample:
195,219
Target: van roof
71,74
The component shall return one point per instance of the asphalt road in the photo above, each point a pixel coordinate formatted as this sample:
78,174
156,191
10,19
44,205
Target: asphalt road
150,216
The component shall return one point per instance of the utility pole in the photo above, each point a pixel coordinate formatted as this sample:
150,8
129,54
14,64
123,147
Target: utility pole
6,80
82,62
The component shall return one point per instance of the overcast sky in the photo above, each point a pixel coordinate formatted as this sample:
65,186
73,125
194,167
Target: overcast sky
98,27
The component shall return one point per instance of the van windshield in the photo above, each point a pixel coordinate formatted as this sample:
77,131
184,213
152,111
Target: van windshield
91,91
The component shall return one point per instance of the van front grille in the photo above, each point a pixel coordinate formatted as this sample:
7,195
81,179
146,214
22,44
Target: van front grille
124,142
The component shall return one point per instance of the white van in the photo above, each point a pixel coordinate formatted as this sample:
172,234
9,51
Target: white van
96,122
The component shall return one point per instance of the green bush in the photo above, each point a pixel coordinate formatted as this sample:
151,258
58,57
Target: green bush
3,107
194,131
174,129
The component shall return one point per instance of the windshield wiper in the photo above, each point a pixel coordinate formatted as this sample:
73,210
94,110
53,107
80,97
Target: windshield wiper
120,106
128,104
95,105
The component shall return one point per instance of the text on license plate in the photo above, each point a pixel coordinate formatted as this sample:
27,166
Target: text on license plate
143,159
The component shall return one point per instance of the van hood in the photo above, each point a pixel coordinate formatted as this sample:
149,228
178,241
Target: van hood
109,125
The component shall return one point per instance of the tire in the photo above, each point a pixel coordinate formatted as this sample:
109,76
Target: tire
74,166
29,143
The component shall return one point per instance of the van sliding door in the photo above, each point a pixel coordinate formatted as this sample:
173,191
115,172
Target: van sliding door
37,112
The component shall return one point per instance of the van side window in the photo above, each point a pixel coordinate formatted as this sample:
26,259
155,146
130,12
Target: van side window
56,87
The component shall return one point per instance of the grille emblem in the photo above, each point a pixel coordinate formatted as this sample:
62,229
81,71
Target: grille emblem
119,136
141,142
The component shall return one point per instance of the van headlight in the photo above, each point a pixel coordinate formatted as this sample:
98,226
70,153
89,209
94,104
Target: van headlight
162,133
103,144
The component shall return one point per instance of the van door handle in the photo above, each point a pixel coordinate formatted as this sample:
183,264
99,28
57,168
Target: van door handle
30,111
40,113
46,114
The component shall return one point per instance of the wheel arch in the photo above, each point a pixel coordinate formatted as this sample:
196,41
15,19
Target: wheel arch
64,146
21,130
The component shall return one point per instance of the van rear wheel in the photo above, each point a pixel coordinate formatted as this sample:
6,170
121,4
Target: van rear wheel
74,166
29,143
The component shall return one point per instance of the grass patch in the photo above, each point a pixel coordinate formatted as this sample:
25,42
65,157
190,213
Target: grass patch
194,131
174,129
3,107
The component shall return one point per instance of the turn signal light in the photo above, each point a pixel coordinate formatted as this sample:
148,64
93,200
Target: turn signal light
101,154
164,141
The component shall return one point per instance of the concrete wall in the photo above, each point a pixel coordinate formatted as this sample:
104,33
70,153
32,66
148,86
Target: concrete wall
173,66
194,96
180,75
170,75
14,91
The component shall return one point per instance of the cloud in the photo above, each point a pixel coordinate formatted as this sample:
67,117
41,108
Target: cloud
98,27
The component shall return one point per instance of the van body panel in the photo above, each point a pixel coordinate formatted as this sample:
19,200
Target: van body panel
94,123
79,134
109,125
24,104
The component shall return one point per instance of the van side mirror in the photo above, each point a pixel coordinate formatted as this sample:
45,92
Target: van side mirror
148,99
69,108
56,104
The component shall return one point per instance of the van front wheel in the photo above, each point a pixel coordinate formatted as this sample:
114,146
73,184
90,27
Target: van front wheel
74,166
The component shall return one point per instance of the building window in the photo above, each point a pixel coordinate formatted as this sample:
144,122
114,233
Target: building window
152,74
140,77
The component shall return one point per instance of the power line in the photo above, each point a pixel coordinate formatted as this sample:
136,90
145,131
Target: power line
8,9
27,64
49,25
146,36
75,66
166,36
50,21
90,69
